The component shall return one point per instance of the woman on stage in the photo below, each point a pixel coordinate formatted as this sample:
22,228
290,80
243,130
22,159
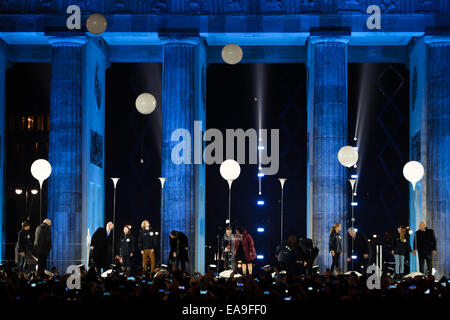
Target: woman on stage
246,251
335,245
400,249
126,248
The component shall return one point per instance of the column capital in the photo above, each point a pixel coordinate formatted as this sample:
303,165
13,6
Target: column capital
179,39
70,41
437,39
324,39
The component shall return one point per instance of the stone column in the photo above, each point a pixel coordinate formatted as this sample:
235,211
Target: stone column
3,63
184,62
65,151
430,141
327,133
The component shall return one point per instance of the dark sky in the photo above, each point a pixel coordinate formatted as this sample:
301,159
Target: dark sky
382,194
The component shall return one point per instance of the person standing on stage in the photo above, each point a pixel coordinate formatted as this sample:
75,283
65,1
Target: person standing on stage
178,249
126,248
101,247
248,248
400,248
24,246
42,245
148,242
335,245
360,250
425,245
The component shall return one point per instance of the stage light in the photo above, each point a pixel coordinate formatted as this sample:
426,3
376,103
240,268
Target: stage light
259,192
355,138
411,232
354,257
34,191
227,221
260,147
354,193
354,176
260,202
18,191
260,174
354,204
260,257
260,229
374,236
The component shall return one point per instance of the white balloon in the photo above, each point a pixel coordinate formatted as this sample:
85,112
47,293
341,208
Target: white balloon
41,169
145,103
96,23
413,172
230,169
232,53
348,156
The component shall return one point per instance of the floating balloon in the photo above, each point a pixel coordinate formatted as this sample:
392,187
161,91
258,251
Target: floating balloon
41,170
230,170
413,172
96,23
348,156
145,103
232,53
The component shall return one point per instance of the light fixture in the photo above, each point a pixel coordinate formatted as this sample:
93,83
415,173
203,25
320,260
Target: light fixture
354,204
260,202
260,147
230,170
348,156
145,103
41,170
260,257
232,53
413,171
260,229
354,176
18,191
260,174
34,191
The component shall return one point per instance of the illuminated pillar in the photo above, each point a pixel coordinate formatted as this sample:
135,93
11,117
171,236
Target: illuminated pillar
3,63
76,147
430,141
183,102
327,133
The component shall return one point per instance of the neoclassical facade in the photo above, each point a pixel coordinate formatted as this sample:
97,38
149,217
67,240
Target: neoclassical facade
185,36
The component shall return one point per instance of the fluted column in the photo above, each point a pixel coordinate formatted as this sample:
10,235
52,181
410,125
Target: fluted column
3,63
65,146
327,133
183,74
438,149
430,141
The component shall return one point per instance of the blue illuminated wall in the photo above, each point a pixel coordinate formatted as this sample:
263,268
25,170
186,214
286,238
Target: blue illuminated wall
93,141
430,142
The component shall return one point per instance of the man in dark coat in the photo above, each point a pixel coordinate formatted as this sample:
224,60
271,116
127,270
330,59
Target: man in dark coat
101,247
360,253
178,249
425,245
24,246
42,245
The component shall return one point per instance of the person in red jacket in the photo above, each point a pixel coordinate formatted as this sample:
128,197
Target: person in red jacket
248,248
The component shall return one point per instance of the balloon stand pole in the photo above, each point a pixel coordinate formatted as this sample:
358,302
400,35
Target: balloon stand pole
281,222
40,203
114,223
229,206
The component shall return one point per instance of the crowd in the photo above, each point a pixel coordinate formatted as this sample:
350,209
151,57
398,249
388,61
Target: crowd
181,287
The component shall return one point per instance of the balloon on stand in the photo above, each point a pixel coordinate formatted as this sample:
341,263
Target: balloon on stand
413,172
232,53
230,170
145,103
41,170
348,156
96,23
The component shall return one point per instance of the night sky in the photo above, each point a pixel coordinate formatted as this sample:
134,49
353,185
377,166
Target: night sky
130,137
